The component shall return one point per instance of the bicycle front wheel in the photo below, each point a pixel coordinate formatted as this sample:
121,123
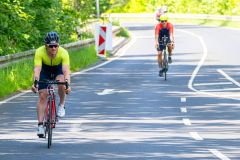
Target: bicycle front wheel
49,125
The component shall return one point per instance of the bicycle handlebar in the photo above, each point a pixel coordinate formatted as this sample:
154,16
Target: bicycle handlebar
51,82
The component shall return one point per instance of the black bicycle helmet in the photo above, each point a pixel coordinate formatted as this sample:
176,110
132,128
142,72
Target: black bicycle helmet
51,38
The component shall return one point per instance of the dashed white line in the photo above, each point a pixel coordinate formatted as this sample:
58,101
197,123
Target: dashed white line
187,121
219,154
183,110
183,99
196,136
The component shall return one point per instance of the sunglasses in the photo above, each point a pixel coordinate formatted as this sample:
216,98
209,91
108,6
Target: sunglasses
163,21
52,45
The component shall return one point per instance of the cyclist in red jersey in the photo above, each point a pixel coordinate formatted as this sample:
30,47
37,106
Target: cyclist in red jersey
161,29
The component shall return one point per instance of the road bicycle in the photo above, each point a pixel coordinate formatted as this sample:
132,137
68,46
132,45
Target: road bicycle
165,56
50,117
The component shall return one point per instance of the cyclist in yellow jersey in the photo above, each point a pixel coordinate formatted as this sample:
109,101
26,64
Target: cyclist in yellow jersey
50,62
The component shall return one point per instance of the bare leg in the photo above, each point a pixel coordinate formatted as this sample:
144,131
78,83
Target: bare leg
61,90
41,105
170,48
160,64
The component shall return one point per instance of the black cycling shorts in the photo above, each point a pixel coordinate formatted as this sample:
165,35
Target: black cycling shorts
49,73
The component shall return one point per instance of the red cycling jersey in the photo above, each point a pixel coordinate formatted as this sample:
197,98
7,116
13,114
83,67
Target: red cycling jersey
159,26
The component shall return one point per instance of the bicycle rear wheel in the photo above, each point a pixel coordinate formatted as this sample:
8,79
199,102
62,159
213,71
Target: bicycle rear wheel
165,75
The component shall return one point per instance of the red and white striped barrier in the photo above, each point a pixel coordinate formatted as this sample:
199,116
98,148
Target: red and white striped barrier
102,40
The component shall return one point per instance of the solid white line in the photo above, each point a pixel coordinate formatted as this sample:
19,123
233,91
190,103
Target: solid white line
210,84
18,95
196,136
183,99
223,89
228,77
199,65
183,110
186,121
219,154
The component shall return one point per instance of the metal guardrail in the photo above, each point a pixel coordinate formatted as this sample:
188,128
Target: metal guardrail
180,16
30,53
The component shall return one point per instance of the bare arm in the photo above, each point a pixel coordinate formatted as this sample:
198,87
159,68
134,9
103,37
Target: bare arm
36,76
66,73
37,70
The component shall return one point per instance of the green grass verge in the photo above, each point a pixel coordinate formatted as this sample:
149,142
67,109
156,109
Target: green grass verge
18,76
123,33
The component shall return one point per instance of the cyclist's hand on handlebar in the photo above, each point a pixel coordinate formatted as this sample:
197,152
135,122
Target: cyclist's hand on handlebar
68,88
35,86
156,45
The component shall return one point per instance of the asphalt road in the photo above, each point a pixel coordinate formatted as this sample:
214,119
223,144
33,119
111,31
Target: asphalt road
121,109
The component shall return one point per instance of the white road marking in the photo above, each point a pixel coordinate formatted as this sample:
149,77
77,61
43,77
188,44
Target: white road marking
211,84
222,89
183,110
186,121
105,91
183,99
13,97
228,77
111,91
219,154
196,136
199,65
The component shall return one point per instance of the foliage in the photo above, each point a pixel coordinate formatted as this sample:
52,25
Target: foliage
123,33
18,76
222,7
23,23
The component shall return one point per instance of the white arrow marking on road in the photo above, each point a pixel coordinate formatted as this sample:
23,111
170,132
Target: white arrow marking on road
111,91
105,91
122,91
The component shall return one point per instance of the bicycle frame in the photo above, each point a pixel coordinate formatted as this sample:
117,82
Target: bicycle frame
51,104
50,117
50,114
165,56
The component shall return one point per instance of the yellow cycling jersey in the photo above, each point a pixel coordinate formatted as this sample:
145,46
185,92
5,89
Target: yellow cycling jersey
41,57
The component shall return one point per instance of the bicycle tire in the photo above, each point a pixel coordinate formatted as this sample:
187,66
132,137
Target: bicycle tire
49,125
165,65
165,75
